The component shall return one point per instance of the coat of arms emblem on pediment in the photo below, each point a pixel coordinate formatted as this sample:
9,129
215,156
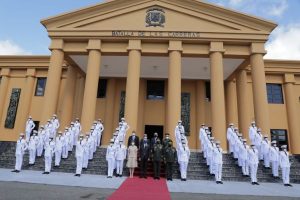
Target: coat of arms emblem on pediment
155,17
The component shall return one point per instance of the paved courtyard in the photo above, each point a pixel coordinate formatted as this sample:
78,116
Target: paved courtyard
33,185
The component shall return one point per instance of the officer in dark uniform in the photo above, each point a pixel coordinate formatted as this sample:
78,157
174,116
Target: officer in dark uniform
144,155
166,141
157,154
170,157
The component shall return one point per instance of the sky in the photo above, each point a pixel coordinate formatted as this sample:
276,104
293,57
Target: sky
22,33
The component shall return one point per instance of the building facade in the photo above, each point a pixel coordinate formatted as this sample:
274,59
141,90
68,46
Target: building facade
154,62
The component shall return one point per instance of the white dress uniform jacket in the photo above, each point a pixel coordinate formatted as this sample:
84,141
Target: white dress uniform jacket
253,163
274,158
218,162
183,159
120,157
285,165
21,147
110,158
79,156
49,151
29,127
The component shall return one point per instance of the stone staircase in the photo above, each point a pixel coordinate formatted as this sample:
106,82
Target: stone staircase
197,169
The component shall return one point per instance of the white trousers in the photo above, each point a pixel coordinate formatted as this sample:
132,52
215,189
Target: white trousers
266,160
65,152
111,166
230,147
99,139
91,154
253,172
120,166
286,175
40,150
57,157
48,162
275,165
32,155
240,162
79,161
19,162
183,169
218,172
245,167
27,133
85,159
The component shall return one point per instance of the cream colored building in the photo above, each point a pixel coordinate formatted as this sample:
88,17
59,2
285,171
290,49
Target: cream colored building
154,57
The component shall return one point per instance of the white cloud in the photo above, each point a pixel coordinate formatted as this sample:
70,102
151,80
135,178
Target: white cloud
284,43
279,9
8,47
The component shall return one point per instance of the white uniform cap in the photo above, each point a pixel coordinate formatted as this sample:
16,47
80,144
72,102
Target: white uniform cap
21,134
112,141
179,121
80,135
273,142
265,136
123,118
231,124
30,117
211,138
218,142
117,129
244,140
252,145
202,124
253,122
259,130
284,146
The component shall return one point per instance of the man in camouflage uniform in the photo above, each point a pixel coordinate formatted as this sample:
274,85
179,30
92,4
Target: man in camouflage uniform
157,153
170,157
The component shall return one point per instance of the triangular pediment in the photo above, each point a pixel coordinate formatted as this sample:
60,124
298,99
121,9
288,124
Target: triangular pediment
179,15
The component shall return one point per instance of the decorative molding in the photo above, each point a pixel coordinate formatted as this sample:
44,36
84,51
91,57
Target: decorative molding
12,108
186,111
122,105
155,17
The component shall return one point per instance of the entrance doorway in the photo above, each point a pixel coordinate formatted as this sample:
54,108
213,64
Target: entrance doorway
151,129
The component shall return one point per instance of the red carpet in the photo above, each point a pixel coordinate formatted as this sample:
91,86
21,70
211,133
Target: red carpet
145,189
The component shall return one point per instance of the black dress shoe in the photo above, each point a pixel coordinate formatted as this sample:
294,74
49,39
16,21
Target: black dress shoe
120,175
290,185
14,170
217,182
286,185
17,171
220,182
253,183
256,183
184,179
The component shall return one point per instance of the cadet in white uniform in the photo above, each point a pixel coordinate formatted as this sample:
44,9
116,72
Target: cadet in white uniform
230,132
100,129
90,144
235,138
284,162
120,157
237,147
21,147
41,141
183,160
218,162
55,124
110,158
33,141
59,142
243,155
201,137
79,155
209,156
73,134
179,129
252,132
65,147
274,158
49,151
123,129
265,148
29,127
258,138
77,130
87,145
253,163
